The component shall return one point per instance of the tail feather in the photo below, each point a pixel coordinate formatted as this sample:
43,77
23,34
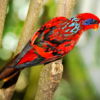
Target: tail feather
7,73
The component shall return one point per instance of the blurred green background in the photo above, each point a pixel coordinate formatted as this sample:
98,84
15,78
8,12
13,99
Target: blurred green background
80,80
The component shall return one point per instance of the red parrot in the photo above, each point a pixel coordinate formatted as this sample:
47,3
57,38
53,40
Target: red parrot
51,42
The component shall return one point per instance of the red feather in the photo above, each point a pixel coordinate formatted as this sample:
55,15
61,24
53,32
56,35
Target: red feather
52,41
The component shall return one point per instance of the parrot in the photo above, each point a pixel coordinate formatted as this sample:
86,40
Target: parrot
50,42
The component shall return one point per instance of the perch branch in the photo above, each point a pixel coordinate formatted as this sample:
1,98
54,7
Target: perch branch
26,34
3,9
65,7
51,73
49,80
29,24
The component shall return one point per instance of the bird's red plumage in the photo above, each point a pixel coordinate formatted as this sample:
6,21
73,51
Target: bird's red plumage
28,57
58,37
54,40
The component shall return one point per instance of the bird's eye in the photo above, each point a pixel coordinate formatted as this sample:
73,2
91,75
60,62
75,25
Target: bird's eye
90,21
95,21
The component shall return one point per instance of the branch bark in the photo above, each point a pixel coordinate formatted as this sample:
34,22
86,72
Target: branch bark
51,73
30,22
3,9
49,80
65,7
27,31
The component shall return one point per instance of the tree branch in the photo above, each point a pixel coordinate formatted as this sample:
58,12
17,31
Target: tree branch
49,80
27,31
3,9
30,22
51,73
65,7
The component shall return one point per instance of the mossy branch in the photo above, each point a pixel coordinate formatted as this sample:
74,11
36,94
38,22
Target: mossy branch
27,31
51,73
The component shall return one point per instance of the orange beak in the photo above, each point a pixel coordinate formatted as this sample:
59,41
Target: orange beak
96,27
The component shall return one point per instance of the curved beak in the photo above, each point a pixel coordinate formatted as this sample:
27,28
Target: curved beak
96,27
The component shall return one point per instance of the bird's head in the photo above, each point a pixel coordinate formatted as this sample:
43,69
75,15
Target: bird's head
88,21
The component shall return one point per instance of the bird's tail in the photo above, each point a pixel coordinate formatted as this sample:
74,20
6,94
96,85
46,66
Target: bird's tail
7,73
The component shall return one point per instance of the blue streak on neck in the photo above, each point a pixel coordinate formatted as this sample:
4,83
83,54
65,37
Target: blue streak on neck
73,24
65,26
75,19
76,28
67,30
